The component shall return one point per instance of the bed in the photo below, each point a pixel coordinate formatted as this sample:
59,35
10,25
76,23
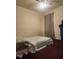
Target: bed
31,44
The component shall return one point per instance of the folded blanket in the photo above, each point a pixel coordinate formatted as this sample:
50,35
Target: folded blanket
21,46
24,48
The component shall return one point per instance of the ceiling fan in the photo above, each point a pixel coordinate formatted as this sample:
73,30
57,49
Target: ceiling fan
45,4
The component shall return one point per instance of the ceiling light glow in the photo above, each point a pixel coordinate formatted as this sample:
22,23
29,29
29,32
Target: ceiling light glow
43,5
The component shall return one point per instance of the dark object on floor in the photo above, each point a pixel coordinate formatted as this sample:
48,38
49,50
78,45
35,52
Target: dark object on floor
54,51
29,56
18,58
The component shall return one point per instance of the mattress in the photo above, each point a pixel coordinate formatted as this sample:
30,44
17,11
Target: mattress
39,41
33,44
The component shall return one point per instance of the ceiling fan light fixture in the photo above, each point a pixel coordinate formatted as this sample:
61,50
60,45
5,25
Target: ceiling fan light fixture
43,5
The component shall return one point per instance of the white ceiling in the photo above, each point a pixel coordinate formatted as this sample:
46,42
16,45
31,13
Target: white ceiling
31,4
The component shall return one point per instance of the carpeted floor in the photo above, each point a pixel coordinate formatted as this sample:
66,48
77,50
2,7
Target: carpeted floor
54,51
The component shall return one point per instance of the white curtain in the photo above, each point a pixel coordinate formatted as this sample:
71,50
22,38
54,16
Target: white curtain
49,25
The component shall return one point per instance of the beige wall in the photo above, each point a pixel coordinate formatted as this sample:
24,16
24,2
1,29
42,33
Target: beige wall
58,16
28,23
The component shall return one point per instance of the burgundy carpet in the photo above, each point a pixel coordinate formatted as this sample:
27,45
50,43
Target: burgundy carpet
54,51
